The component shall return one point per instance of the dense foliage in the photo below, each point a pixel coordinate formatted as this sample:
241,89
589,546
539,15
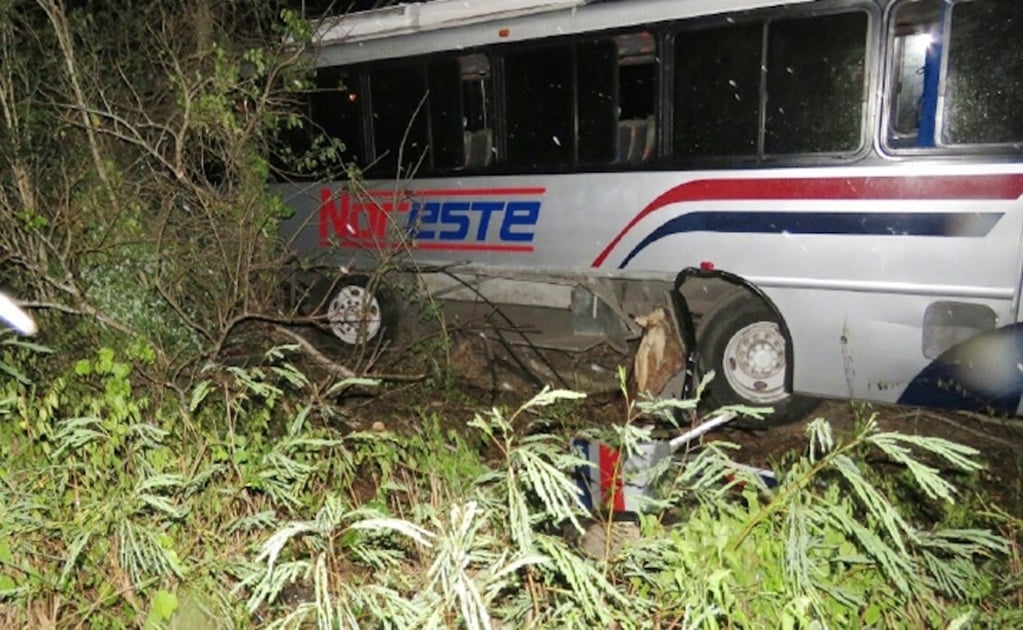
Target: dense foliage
134,144
240,505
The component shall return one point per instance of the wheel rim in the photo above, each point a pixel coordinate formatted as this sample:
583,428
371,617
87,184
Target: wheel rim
754,363
354,314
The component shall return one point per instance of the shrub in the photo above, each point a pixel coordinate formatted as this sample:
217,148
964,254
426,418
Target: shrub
242,505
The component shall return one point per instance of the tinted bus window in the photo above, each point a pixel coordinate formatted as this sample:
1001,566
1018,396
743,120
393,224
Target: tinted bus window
815,84
444,110
984,84
399,119
330,112
717,91
561,104
540,117
477,107
597,63
813,77
417,114
637,90
637,98
335,106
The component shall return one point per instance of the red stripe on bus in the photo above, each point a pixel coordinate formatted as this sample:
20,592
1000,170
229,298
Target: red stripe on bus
458,192
845,188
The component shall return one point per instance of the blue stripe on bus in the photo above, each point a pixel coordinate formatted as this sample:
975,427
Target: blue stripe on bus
957,224
981,374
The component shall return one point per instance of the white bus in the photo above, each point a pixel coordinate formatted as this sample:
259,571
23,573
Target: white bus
842,180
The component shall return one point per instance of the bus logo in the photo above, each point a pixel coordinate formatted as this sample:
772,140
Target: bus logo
499,220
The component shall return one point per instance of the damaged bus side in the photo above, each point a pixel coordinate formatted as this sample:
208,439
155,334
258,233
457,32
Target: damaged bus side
832,187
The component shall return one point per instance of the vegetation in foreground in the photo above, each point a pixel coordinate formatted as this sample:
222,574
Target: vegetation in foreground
240,506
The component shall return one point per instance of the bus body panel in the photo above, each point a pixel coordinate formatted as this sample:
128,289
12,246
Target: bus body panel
852,272
891,252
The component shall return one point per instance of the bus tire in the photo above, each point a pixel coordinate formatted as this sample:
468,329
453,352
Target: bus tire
355,311
746,348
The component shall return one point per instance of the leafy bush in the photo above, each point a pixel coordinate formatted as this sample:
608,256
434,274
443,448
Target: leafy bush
134,187
242,504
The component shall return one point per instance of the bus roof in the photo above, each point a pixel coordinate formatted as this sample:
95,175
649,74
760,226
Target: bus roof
420,28
417,17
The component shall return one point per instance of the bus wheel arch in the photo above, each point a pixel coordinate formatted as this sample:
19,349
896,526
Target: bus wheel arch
745,341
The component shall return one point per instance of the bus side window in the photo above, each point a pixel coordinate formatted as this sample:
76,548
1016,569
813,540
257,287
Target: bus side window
717,91
540,117
916,64
560,104
330,116
813,75
816,84
477,103
637,98
978,98
984,82
417,115
444,109
400,111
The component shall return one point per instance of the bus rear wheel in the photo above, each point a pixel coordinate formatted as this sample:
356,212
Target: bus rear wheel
355,311
745,346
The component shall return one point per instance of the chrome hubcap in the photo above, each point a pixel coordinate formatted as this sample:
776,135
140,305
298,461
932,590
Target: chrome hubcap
354,315
754,363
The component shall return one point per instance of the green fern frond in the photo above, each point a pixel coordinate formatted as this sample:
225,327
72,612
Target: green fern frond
896,447
871,499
